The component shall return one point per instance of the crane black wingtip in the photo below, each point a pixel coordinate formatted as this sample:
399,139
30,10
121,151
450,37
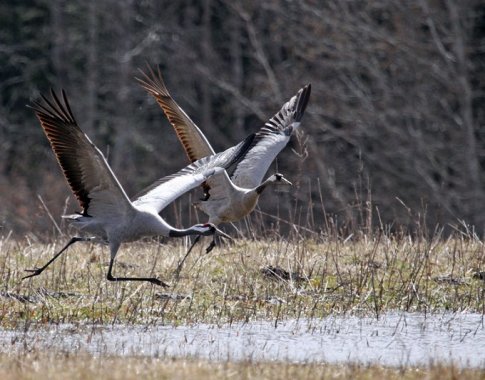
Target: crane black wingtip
302,102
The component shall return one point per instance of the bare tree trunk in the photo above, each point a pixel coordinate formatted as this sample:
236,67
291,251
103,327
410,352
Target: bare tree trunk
59,31
206,58
122,124
237,73
92,68
466,111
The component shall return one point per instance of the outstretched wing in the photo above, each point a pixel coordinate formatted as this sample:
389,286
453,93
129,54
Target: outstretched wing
164,191
193,140
270,140
91,179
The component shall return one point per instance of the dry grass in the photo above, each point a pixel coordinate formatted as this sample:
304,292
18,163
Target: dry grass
368,275
48,366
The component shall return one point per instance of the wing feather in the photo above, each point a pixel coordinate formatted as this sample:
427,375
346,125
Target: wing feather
165,190
270,140
85,168
193,140
160,196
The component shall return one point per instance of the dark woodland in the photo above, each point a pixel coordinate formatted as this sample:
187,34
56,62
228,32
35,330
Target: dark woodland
393,137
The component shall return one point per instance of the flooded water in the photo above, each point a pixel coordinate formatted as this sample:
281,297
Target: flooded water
394,339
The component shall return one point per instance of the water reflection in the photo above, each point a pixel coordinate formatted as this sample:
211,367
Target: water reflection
395,339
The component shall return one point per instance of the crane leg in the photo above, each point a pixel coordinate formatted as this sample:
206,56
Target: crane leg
37,271
179,267
110,277
217,239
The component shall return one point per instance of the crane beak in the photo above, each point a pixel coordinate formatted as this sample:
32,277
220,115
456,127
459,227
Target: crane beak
282,189
284,181
223,234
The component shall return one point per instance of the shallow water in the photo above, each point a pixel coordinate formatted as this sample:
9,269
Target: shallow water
394,339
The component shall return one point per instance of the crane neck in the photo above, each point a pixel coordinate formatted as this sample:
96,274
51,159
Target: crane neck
259,189
178,232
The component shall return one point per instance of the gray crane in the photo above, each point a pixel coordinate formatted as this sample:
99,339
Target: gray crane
108,215
230,197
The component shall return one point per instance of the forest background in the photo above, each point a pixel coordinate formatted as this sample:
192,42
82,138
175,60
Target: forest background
394,135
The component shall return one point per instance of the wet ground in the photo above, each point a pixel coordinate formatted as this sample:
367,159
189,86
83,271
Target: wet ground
394,339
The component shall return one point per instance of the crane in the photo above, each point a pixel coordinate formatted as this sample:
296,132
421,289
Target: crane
108,215
230,197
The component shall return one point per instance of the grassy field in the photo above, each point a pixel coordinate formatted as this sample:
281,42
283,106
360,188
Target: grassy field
244,281
240,282
247,280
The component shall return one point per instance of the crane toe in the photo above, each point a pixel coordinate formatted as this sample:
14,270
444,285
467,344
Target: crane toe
158,282
34,272
211,246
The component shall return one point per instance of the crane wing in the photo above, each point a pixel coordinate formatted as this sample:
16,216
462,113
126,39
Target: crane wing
219,187
193,140
270,140
170,188
165,190
91,179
